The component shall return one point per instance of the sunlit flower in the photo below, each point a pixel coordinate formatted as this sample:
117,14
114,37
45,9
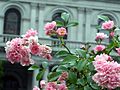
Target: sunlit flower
99,48
61,31
101,36
108,25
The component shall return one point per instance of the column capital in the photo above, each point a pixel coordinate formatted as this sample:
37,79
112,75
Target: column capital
80,9
34,4
42,6
88,10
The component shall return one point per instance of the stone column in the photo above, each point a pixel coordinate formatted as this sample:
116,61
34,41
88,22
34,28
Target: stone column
88,30
1,24
25,25
33,15
41,21
34,81
1,27
45,74
80,30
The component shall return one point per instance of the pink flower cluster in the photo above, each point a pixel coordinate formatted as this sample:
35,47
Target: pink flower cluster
20,49
108,73
101,36
30,33
99,48
52,85
51,29
108,25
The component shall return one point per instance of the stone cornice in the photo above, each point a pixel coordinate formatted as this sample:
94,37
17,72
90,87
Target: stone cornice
94,4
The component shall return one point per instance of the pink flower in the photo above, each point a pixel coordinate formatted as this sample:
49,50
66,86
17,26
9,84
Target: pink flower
103,57
30,33
50,26
36,88
26,61
101,36
45,52
61,31
108,25
13,56
62,87
118,50
51,86
63,76
34,49
42,83
99,48
108,74
47,56
112,34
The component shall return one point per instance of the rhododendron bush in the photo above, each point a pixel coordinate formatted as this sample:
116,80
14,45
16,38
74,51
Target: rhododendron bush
85,69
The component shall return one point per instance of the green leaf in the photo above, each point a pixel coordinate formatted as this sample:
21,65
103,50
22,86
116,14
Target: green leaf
44,64
81,52
104,18
71,59
40,75
52,76
59,23
81,65
81,81
65,16
62,68
94,86
54,67
71,87
61,53
71,24
91,67
33,67
87,88
72,77
89,79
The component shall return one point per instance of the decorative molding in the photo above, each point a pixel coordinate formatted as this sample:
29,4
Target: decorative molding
27,19
42,6
34,5
81,10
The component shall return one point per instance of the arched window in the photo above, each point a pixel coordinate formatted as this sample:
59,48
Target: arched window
12,21
57,16
100,21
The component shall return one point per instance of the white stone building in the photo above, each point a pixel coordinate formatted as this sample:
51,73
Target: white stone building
17,16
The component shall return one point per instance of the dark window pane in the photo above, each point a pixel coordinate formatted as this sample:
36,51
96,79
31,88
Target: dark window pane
100,22
57,17
12,22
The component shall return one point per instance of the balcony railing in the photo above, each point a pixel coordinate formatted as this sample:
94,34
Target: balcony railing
55,43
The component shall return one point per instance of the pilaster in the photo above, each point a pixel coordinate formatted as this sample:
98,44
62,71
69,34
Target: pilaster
33,15
41,32
80,30
1,24
45,74
25,25
88,31
34,81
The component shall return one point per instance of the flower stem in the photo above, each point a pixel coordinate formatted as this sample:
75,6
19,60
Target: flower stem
63,44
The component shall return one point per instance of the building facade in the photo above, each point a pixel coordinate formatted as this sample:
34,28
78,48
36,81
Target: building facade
17,16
